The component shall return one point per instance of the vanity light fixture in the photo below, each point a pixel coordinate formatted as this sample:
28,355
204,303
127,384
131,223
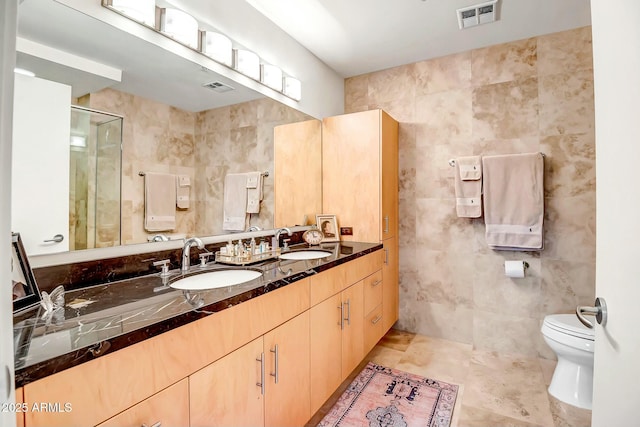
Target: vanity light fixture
217,47
248,63
271,76
292,88
179,25
139,10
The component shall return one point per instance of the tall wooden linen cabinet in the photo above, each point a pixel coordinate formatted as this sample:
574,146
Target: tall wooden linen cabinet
360,186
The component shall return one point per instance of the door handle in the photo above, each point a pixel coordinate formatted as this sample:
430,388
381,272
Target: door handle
261,383
599,310
275,373
57,239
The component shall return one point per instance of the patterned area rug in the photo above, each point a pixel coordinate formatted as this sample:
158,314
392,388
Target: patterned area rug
385,397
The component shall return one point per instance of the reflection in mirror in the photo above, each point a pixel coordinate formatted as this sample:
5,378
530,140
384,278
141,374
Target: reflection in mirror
171,123
94,179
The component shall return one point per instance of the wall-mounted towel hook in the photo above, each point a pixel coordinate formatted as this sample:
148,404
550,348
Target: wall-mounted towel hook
452,162
141,173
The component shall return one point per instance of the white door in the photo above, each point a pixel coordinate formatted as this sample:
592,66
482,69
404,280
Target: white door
8,13
616,50
40,168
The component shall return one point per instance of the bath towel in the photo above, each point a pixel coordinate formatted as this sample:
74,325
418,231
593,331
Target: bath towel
235,202
254,191
468,187
159,201
183,184
514,201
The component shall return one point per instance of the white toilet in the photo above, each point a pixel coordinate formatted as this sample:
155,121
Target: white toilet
573,343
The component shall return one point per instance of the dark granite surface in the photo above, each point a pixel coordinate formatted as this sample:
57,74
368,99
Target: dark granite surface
102,318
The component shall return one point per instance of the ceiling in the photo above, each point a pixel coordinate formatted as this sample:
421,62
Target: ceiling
359,36
352,37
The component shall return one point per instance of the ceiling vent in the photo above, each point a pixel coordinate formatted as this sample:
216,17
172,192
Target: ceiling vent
482,13
218,87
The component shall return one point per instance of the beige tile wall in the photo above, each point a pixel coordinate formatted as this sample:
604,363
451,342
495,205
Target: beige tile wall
525,96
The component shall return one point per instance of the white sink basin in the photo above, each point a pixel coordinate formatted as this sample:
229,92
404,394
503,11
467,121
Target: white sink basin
215,279
306,254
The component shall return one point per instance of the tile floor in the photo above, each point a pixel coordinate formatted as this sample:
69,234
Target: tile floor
496,390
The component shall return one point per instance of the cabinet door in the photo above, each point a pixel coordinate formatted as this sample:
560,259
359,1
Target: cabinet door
353,332
169,407
297,154
228,392
389,152
351,172
326,350
19,414
287,401
390,288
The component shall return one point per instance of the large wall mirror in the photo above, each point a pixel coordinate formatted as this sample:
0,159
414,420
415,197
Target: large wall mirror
142,109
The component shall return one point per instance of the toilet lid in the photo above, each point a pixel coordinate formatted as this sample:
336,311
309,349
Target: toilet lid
569,324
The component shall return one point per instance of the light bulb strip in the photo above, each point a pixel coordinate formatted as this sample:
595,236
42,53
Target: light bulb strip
200,43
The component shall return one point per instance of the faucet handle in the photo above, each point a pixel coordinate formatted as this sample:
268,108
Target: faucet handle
204,258
285,245
165,267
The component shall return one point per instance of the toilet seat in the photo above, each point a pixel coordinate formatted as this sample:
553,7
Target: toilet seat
570,325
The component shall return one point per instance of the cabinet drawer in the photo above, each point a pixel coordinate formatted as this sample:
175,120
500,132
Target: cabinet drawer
170,407
373,328
362,267
328,283
372,291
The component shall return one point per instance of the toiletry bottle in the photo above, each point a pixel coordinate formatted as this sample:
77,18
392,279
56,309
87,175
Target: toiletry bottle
230,248
253,246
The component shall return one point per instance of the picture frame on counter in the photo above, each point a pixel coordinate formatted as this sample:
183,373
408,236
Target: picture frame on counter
26,294
328,224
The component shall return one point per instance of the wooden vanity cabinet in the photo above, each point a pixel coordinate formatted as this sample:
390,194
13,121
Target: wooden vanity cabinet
263,383
297,173
169,407
19,414
228,392
337,324
360,185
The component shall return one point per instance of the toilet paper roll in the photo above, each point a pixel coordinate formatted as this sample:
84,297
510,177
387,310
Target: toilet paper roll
514,269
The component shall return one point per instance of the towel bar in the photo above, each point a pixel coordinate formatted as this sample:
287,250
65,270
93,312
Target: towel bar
452,162
265,173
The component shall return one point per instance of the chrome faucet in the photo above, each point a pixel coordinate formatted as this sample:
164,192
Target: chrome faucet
278,233
186,249
254,228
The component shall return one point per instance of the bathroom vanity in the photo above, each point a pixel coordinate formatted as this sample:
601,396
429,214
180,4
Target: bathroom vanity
227,356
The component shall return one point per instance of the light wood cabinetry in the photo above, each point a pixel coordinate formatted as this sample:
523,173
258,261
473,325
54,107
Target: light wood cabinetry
297,173
287,374
229,391
338,337
169,407
263,383
360,173
360,186
326,353
19,414
246,365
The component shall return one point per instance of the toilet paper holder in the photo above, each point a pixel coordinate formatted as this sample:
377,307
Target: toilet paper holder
515,268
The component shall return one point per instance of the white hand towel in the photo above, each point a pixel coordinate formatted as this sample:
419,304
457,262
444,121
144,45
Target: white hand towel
254,192
235,202
159,201
468,187
183,184
514,201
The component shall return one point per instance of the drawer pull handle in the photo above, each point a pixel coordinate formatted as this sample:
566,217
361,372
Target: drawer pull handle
376,283
157,424
261,383
376,320
275,373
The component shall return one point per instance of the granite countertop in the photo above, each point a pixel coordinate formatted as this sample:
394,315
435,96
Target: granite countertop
100,319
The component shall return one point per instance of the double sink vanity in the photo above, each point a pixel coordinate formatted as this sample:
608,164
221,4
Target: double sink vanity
194,349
